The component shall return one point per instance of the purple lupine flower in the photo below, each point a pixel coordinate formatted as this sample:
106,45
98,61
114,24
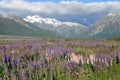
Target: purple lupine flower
35,64
9,58
16,46
48,51
94,67
64,50
6,69
118,56
23,75
12,61
72,65
29,47
4,57
98,67
34,50
19,65
56,50
42,60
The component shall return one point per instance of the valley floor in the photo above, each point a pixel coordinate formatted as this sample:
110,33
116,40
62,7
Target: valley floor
59,59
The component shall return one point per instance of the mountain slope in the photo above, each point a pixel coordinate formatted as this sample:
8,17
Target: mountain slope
35,26
66,29
12,25
107,27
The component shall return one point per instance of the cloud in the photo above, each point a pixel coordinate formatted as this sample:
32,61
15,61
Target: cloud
21,7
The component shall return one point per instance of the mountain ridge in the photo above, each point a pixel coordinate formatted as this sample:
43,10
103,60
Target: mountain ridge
12,25
107,27
66,29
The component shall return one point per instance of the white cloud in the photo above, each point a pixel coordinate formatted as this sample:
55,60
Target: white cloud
61,8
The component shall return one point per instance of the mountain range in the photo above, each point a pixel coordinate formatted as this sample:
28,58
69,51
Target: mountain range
35,26
65,29
12,25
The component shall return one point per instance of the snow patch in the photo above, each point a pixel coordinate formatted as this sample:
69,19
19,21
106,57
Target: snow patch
50,21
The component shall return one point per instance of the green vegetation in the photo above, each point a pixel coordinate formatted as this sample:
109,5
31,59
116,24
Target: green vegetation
10,27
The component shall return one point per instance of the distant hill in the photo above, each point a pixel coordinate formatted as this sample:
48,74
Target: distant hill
105,28
12,25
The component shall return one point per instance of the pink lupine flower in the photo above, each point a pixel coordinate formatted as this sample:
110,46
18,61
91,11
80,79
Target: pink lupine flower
92,58
74,58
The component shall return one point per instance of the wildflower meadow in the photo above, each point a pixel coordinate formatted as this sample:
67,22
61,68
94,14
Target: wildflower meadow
59,59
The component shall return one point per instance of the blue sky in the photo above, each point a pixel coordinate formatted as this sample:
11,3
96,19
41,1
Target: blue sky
86,1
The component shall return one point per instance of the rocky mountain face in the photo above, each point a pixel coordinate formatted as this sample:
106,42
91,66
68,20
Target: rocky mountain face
66,29
107,27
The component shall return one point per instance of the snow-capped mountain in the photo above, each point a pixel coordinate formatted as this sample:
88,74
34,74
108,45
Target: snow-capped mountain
51,21
106,27
13,25
66,29
111,14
